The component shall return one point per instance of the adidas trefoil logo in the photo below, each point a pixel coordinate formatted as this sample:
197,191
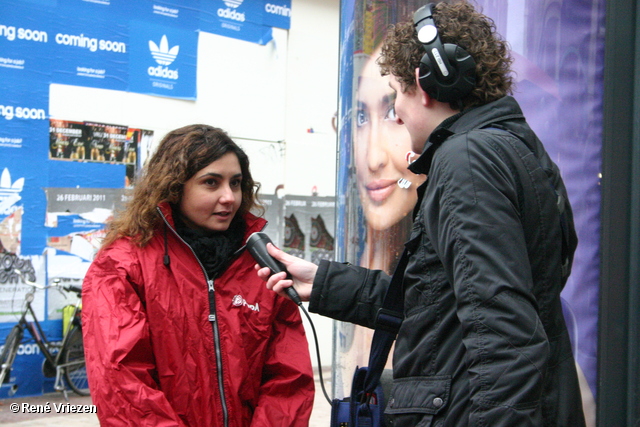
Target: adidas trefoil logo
233,3
162,54
164,57
9,193
5,183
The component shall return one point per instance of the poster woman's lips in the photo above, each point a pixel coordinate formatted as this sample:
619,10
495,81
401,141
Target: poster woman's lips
379,190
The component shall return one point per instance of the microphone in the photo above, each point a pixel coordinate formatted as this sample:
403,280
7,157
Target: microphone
257,246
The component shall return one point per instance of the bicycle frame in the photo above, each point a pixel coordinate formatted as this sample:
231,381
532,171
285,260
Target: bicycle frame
38,334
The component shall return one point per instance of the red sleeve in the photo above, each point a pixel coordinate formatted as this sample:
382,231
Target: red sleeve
287,390
120,362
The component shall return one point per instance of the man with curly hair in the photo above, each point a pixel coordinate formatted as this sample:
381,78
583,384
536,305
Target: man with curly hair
483,341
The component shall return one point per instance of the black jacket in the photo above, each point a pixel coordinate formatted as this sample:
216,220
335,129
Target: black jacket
483,341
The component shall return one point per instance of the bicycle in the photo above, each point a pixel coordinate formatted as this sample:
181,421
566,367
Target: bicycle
62,360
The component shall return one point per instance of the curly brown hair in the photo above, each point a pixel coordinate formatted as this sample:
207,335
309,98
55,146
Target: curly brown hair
181,153
458,23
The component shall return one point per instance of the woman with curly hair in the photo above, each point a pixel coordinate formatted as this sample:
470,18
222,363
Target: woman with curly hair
483,340
178,330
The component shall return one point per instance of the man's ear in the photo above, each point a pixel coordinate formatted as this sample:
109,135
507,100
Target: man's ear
424,96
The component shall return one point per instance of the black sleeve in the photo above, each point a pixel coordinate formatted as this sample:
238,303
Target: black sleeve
348,293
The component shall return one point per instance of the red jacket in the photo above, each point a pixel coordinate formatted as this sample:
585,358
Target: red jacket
157,356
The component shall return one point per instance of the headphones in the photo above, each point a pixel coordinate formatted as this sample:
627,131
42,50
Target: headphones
447,72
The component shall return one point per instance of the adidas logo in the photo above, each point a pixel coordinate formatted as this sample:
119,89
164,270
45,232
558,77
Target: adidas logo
233,3
162,54
164,57
9,192
229,12
6,186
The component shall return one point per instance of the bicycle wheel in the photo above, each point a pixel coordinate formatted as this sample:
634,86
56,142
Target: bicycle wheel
9,352
75,371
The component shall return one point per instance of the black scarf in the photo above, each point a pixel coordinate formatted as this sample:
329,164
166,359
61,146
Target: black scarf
214,249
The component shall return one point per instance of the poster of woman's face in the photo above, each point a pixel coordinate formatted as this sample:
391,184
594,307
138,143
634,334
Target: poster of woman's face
382,146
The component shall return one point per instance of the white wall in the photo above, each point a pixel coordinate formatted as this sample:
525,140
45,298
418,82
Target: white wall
311,101
312,97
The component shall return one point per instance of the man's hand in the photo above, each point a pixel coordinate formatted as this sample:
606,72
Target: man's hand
302,274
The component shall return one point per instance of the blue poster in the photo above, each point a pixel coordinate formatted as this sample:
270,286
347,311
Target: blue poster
163,60
25,42
172,13
94,7
22,198
40,3
24,123
236,10
345,123
90,50
239,19
277,13
24,116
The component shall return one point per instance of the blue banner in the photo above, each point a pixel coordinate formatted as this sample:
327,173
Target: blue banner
22,200
277,13
24,113
91,8
239,19
169,13
23,143
25,42
90,50
93,43
163,60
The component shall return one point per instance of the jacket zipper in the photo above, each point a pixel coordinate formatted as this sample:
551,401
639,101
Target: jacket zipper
216,340
214,325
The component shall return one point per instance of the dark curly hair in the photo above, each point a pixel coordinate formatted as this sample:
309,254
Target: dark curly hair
458,23
181,153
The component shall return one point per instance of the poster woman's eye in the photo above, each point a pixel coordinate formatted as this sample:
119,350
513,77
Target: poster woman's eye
361,117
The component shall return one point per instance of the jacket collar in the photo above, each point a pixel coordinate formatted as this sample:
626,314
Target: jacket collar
505,108
253,223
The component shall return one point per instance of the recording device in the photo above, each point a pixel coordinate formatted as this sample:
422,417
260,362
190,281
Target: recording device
447,71
257,246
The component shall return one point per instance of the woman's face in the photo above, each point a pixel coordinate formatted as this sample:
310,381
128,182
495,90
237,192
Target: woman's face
212,197
381,147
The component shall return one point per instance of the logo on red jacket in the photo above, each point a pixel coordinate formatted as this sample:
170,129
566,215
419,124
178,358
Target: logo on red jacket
238,301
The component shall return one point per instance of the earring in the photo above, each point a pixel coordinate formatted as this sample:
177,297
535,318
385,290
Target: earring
409,157
404,183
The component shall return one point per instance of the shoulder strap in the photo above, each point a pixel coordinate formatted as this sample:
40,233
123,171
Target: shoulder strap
388,322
